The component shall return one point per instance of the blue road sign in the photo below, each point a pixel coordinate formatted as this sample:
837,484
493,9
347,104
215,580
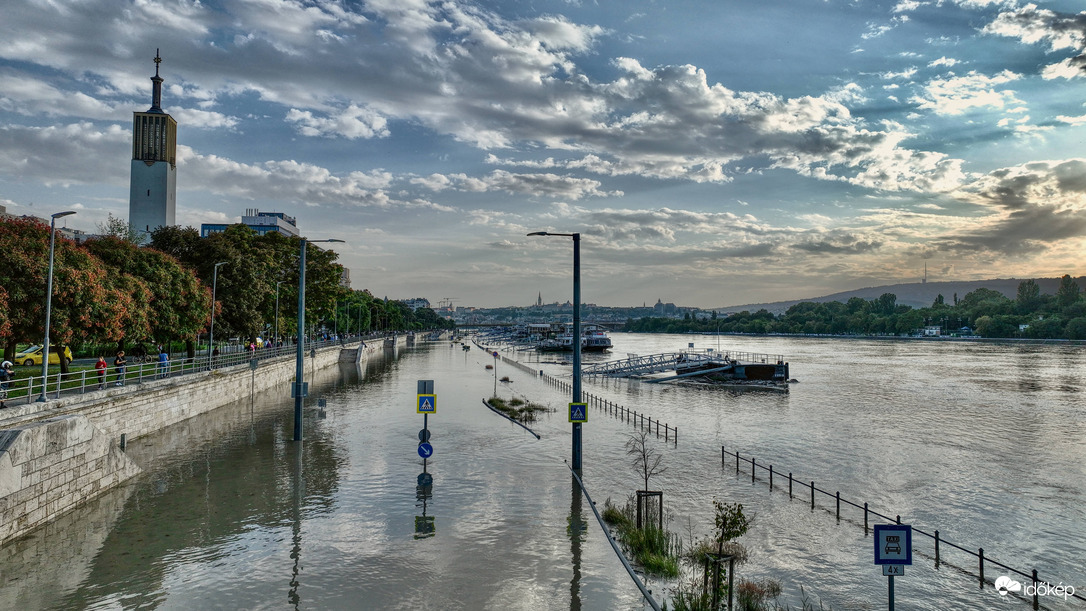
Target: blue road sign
425,479
426,450
893,544
427,404
578,412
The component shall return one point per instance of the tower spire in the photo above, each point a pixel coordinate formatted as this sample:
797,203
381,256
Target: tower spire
156,87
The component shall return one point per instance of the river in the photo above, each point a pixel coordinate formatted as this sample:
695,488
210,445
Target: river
981,441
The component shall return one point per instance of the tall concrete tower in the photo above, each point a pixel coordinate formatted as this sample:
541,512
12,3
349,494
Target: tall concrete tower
152,199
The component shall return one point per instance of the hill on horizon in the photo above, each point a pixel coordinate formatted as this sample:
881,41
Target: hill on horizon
915,294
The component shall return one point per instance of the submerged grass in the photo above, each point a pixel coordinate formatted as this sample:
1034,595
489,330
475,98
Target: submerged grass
655,549
517,409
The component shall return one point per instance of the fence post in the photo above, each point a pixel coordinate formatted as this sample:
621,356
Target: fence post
752,466
812,494
789,484
737,461
838,505
770,478
899,519
936,549
721,456
1035,606
865,529
980,554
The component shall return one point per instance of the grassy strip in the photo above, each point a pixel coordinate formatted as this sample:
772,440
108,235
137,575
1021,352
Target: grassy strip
655,549
517,409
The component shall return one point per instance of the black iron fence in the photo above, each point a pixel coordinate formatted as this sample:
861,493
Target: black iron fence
939,542
643,422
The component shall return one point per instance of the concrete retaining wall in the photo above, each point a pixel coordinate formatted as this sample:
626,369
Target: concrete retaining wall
58,454
48,468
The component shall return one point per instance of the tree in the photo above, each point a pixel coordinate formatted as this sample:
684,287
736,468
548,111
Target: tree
644,458
1028,297
119,228
939,302
1068,293
179,305
886,304
86,299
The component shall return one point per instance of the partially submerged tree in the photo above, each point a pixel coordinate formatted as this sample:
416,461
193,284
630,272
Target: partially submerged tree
644,458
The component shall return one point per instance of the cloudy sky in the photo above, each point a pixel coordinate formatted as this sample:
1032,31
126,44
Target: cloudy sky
711,153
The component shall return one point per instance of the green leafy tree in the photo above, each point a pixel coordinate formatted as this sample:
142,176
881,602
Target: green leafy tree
1069,293
116,227
87,302
179,305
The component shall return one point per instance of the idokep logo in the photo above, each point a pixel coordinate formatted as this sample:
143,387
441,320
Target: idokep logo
1005,585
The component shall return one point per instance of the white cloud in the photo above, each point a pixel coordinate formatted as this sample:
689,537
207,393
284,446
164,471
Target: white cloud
351,123
943,62
955,95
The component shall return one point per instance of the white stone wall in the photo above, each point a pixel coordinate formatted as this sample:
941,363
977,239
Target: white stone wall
58,454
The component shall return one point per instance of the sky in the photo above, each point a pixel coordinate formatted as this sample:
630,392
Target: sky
710,153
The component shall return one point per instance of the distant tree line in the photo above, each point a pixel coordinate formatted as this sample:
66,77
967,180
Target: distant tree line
109,289
983,312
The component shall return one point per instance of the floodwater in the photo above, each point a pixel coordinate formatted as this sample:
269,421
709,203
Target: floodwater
981,441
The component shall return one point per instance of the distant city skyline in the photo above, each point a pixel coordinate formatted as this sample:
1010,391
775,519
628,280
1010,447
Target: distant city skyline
717,153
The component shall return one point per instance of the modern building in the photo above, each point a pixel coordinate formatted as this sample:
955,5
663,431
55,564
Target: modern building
152,199
260,222
417,302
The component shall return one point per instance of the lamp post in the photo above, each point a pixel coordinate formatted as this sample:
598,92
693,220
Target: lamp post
299,386
576,337
211,336
275,340
49,305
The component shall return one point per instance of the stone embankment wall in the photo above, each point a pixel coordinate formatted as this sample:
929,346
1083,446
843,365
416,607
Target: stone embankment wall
58,454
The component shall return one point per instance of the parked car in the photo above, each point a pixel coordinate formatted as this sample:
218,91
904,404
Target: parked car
32,356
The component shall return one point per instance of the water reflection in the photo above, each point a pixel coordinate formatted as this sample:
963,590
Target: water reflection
576,530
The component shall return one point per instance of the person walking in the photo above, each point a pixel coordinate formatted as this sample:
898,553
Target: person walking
6,376
100,367
118,366
163,362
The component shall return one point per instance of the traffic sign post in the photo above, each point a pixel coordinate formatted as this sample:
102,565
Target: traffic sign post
425,449
427,404
893,550
578,413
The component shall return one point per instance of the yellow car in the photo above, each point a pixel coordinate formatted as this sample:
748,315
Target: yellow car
32,356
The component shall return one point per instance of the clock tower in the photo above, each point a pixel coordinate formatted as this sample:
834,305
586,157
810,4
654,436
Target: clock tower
152,201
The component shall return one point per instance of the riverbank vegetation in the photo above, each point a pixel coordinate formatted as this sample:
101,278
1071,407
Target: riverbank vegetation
983,312
517,409
110,290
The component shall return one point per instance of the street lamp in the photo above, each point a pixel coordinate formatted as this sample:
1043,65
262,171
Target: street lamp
300,358
211,336
576,337
275,340
49,304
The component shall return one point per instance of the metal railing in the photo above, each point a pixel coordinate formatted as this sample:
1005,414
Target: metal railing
645,593
867,511
28,390
655,363
671,433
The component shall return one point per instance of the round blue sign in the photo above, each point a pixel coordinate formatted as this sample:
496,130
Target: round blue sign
426,450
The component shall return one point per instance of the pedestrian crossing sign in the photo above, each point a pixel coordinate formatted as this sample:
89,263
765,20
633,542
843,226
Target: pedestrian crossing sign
427,404
578,412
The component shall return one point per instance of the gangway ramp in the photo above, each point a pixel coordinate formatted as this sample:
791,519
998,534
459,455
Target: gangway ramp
643,365
690,363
